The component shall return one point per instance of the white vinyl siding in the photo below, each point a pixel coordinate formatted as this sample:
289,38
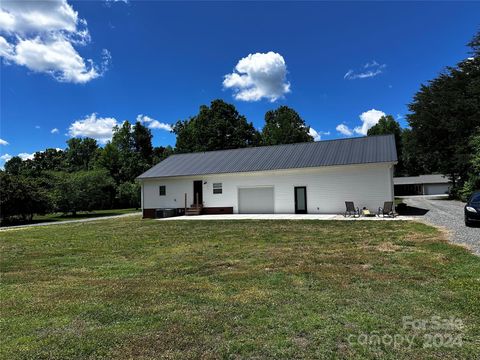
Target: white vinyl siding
328,188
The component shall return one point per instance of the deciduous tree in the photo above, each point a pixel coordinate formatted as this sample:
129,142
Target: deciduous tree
80,154
284,126
216,127
388,125
22,196
83,191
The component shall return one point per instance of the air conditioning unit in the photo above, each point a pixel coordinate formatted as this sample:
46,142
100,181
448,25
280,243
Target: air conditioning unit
165,213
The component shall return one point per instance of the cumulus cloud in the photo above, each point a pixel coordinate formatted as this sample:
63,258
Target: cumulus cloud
26,156
5,157
370,69
23,156
317,135
41,36
344,130
54,131
98,128
369,118
3,142
152,123
37,16
258,76
313,133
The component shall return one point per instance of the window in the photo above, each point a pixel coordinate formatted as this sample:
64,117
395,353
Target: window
217,188
163,190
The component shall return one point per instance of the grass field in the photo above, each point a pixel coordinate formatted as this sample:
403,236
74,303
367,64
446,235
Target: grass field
54,217
141,289
82,215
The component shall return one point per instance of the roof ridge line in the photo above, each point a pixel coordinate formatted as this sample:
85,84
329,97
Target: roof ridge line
269,146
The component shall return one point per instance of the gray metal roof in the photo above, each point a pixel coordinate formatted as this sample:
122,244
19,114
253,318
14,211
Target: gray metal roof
421,179
362,150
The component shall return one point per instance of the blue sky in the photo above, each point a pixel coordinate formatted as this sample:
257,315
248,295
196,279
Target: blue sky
91,64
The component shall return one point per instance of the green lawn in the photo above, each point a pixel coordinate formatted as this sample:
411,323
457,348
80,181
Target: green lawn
143,289
54,217
81,215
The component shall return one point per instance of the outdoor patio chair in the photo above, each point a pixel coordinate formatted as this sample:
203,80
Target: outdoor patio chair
387,209
351,210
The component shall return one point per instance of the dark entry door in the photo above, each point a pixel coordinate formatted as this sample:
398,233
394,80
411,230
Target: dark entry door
300,200
198,189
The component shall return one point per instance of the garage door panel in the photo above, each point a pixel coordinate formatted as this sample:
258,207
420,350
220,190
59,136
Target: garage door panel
436,189
257,200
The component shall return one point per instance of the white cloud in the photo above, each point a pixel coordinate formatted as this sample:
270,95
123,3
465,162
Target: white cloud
3,142
369,118
54,131
23,156
317,135
37,16
344,130
158,125
37,126
41,35
99,128
26,156
258,76
313,133
5,157
152,123
370,69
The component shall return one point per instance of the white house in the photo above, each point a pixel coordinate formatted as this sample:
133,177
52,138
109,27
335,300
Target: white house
315,177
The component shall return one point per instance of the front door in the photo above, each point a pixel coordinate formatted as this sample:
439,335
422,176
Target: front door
198,192
300,200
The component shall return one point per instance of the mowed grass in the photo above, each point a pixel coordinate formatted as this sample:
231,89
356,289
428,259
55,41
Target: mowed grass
54,217
82,215
143,289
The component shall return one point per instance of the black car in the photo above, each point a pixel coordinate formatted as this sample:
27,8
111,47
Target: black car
472,209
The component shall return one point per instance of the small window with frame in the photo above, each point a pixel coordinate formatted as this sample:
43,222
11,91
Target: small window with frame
162,190
217,188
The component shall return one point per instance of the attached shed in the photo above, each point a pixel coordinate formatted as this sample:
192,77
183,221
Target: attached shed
435,184
315,177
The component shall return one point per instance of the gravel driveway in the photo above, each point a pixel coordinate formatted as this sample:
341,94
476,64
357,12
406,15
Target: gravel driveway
448,214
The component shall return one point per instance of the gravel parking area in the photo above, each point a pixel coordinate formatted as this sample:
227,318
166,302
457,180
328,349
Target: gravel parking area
448,214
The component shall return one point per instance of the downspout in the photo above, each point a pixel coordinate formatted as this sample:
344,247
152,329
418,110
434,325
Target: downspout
142,196
392,185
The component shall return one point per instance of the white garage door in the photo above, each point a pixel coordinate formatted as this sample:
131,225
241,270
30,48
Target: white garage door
436,189
258,200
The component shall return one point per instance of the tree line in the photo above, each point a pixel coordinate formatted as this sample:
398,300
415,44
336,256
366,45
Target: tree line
85,176
443,136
